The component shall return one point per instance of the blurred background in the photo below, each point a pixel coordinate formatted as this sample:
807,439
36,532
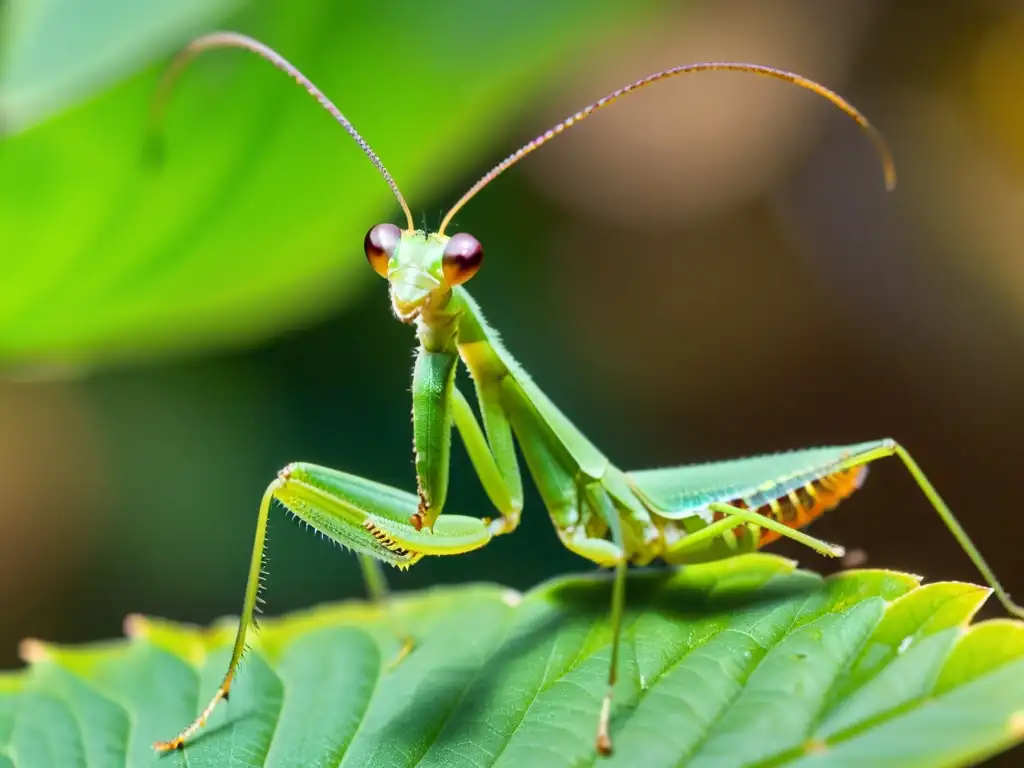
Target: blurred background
711,268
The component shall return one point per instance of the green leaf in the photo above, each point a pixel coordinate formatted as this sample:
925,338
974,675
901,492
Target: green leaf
255,220
744,662
57,52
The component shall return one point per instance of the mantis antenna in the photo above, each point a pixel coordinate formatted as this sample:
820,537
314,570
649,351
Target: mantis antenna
888,165
235,40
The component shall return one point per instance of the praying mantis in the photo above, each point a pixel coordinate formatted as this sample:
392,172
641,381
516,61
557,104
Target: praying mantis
682,515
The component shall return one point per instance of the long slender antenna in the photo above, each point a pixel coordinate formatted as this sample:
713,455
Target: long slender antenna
888,165
236,40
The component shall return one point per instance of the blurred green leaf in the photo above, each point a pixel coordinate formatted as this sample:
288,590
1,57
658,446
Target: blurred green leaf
255,221
56,52
742,662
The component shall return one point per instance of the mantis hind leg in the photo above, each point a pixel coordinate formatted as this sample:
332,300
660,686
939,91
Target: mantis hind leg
952,524
890,447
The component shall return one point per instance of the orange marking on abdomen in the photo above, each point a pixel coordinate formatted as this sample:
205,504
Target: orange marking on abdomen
830,490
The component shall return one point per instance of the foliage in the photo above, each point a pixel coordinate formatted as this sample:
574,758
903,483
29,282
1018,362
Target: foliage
57,52
742,662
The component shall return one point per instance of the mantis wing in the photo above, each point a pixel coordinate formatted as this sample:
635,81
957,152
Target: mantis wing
678,492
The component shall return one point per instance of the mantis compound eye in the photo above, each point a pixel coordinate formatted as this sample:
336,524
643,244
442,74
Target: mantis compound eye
380,245
462,257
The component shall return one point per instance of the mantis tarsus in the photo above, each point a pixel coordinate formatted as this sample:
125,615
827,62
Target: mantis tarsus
682,515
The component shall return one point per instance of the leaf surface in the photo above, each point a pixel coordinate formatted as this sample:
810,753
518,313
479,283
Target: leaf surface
745,662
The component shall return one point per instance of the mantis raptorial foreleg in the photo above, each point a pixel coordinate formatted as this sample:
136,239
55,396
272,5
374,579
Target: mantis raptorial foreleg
384,523
495,461
437,403
368,517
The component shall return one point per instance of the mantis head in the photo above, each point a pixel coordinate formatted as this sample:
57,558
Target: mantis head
421,268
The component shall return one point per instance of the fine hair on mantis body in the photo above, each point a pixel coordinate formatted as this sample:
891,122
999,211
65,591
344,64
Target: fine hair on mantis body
682,515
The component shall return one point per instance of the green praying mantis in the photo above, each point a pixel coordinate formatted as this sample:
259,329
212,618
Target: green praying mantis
683,515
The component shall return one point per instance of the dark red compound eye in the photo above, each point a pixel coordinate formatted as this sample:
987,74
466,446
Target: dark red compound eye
462,257
380,245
